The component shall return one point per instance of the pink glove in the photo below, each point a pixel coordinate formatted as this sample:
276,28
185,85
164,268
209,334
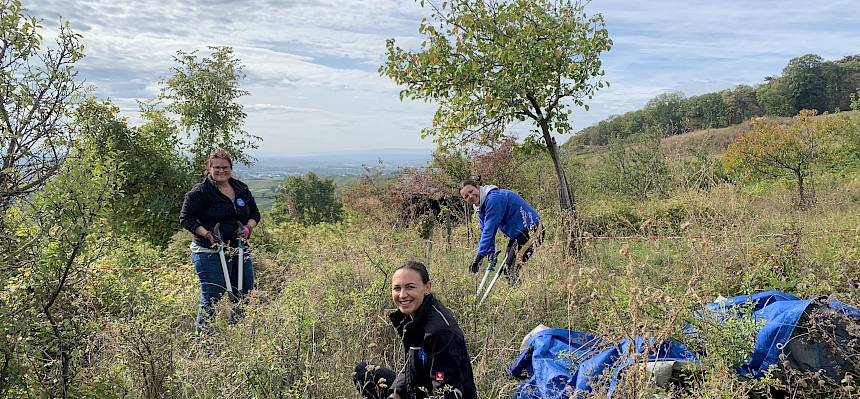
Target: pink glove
211,238
246,232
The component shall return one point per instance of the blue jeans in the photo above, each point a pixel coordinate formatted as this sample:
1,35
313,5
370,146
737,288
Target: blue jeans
211,276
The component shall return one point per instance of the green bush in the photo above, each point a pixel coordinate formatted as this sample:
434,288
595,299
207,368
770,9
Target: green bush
664,218
610,218
306,199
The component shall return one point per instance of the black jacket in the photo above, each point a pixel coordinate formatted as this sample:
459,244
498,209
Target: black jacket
436,357
205,206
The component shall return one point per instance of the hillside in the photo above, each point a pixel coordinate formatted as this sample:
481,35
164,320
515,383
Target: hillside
123,277
806,82
322,293
710,141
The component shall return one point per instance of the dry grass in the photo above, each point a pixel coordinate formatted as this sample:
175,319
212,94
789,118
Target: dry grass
323,297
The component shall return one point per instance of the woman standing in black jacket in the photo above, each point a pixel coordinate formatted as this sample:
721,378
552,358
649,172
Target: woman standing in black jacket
436,363
220,200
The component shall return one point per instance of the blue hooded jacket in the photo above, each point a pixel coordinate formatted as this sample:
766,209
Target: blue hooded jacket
504,210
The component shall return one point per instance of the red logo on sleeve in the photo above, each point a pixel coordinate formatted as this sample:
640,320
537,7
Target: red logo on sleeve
440,376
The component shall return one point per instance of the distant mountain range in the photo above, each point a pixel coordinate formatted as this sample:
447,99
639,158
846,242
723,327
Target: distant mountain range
339,163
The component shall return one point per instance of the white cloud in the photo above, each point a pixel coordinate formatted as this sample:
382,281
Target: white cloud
276,108
311,64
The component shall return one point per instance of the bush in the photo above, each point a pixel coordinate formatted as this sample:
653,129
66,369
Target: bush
306,199
700,172
636,167
610,218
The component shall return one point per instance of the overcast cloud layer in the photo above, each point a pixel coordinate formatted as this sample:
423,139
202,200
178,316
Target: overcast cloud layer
311,64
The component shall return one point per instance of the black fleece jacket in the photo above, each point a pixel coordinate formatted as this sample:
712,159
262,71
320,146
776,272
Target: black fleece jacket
437,363
205,206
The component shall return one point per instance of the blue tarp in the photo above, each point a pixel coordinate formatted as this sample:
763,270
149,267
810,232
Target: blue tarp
558,362
777,312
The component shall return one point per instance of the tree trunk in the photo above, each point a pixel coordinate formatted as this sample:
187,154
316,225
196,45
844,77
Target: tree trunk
565,195
801,194
65,356
4,372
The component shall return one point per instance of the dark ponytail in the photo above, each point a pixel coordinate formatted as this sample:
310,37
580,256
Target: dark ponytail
418,267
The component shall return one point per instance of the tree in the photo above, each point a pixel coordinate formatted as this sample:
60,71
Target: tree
707,111
156,175
855,101
773,149
665,114
637,166
306,199
204,93
741,103
848,80
489,63
806,81
630,123
774,97
850,133
37,87
498,166
58,233
455,165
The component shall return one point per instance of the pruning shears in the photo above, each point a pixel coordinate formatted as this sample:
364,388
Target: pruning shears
491,265
240,262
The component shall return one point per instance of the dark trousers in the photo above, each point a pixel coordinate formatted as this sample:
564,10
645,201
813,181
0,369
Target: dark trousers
515,245
372,381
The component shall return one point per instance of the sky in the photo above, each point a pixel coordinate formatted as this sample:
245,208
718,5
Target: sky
311,65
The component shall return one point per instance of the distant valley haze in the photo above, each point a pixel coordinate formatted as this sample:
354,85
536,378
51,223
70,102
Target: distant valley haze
335,163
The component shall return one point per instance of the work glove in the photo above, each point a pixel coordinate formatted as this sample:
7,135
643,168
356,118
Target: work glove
476,264
211,238
245,232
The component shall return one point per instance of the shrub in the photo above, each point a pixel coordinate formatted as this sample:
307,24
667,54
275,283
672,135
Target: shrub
306,199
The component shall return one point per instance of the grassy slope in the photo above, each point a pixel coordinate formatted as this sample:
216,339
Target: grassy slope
711,141
323,295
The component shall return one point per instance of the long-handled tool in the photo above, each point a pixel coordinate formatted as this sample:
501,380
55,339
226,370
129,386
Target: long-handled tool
221,245
503,269
491,265
241,264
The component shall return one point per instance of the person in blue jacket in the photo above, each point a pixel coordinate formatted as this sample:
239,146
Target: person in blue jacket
504,210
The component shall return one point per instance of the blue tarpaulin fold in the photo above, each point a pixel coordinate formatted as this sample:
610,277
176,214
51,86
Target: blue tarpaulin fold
560,363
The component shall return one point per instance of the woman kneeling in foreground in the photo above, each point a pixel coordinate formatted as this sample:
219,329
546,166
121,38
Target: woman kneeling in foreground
436,360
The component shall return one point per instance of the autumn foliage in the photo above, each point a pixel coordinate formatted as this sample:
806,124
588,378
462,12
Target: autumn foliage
773,148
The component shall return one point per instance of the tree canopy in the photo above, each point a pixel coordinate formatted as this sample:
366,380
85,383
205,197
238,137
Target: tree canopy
155,173
37,89
489,63
774,149
204,92
807,82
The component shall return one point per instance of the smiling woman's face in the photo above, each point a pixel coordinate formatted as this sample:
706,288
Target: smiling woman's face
408,291
471,194
220,169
